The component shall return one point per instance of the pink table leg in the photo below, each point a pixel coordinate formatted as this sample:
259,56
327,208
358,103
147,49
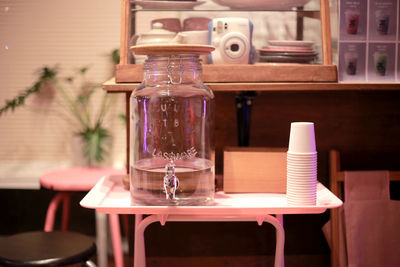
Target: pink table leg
52,209
65,214
279,217
116,240
139,257
140,227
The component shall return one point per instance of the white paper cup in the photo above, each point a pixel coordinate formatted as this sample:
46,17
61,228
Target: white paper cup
295,199
297,157
302,138
300,197
296,185
300,187
301,174
302,163
307,169
306,176
301,155
304,192
301,167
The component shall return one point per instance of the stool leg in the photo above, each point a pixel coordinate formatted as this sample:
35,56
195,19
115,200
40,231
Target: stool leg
65,214
89,264
116,240
101,239
51,212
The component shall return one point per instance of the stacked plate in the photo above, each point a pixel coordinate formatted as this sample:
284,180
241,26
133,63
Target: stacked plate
168,5
301,189
288,52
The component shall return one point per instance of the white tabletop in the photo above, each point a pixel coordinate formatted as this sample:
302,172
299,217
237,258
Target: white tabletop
110,196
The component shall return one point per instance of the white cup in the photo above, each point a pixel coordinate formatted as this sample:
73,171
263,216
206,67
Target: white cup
302,138
195,37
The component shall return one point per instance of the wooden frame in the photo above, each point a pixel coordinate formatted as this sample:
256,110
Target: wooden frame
265,72
336,181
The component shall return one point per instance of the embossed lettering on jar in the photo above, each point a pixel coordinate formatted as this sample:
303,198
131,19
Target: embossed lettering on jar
172,126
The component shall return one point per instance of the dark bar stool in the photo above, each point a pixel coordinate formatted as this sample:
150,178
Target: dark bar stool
47,249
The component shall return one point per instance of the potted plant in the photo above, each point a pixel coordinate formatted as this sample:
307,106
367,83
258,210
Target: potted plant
75,94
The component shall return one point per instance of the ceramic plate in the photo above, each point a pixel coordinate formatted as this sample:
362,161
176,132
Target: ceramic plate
169,5
289,54
286,49
286,59
291,43
261,4
172,49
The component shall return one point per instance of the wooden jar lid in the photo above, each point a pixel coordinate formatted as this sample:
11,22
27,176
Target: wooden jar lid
172,49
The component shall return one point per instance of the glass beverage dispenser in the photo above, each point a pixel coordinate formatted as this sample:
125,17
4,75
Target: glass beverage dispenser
172,127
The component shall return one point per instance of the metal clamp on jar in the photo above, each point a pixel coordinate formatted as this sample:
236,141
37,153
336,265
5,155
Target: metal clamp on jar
172,127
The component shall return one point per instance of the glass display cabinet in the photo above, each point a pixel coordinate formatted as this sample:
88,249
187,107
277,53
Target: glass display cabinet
272,20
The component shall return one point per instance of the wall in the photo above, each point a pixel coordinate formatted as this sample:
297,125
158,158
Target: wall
70,34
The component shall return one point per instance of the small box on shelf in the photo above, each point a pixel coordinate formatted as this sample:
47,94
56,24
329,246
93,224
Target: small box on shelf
254,170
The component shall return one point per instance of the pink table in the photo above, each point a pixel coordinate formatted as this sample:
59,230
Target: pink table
109,196
65,182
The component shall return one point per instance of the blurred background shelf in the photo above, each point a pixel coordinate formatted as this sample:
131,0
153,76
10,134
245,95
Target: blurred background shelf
112,87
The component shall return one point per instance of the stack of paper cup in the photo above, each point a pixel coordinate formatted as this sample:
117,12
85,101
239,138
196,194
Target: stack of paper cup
301,165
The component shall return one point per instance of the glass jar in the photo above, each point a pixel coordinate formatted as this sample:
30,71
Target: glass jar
171,140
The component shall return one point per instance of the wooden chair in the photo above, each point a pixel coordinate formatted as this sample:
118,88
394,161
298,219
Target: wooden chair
336,182
47,249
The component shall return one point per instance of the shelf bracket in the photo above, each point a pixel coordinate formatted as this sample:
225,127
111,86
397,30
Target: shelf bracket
162,218
260,219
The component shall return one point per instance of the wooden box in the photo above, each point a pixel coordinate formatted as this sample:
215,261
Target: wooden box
254,170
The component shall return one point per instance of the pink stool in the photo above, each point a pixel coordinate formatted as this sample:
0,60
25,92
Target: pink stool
68,180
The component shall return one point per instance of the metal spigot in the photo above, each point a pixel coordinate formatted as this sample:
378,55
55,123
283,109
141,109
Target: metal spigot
171,182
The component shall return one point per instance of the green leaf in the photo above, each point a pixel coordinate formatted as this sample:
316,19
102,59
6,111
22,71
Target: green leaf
123,118
46,74
83,70
115,56
95,143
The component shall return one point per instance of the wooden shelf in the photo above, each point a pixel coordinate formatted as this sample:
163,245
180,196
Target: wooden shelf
113,87
259,72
